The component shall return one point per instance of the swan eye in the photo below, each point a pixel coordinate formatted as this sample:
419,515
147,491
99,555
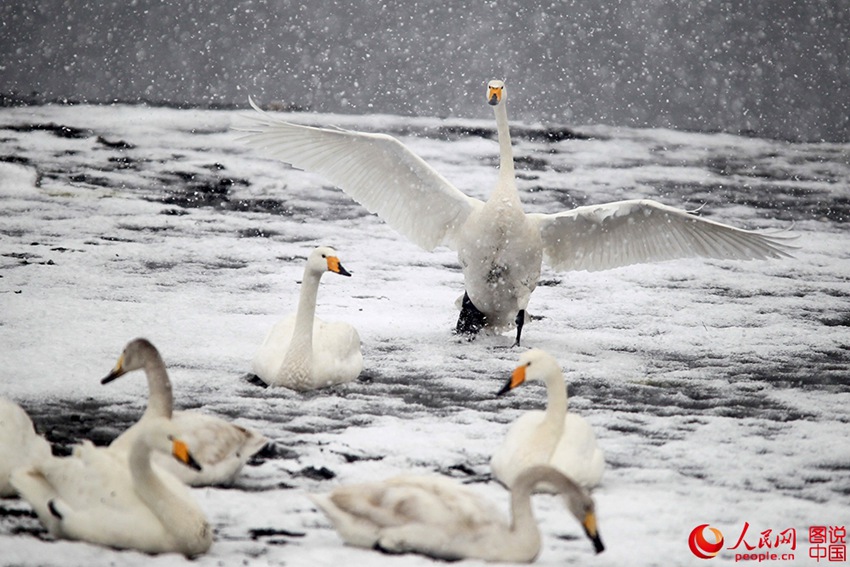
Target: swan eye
170,437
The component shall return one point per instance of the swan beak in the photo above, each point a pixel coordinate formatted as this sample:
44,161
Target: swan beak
494,96
335,267
181,453
589,524
117,372
517,378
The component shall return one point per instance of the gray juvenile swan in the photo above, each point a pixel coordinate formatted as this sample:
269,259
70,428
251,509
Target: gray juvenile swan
97,496
437,516
499,246
221,447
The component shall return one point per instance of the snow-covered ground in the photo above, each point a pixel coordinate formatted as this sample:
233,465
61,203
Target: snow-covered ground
719,391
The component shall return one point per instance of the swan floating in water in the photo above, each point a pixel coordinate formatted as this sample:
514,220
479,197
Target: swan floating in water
100,497
221,447
553,437
302,352
500,247
20,445
438,517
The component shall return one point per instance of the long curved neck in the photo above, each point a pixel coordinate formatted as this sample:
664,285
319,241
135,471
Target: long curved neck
299,355
556,402
149,485
160,396
524,530
507,185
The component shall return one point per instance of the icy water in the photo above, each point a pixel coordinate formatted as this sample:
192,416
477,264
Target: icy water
719,391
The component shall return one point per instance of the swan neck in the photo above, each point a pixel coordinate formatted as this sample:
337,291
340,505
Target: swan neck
523,525
506,154
160,395
556,401
299,355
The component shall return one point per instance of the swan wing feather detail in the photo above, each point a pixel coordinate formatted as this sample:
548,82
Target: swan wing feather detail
601,237
376,170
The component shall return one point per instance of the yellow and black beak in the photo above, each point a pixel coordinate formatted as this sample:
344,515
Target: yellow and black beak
181,452
494,96
589,524
117,372
335,267
517,378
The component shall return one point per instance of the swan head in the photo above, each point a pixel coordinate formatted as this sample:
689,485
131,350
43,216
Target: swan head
496,93
136,355
161,435
535,364
324,259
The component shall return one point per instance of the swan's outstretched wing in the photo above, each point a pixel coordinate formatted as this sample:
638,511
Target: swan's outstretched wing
377,170
600,237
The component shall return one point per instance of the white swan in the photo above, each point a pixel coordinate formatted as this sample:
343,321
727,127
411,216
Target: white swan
553,437
100,497
221,447
499,246
20,445
439,517
303,352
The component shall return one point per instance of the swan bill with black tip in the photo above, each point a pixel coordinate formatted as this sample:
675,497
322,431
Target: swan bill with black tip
516,379
180,451
494,93
117,372
335,267
589,525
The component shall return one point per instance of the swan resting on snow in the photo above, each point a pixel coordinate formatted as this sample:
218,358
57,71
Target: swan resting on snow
221,447
302,352
554,437
97,496
20,445
500,247
437,516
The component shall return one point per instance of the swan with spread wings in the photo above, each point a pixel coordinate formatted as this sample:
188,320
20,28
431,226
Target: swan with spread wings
500,247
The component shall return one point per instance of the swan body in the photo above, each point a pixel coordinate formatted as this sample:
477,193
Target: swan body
97,496
553,437
20,445
438,517
500,247
221,447
302,352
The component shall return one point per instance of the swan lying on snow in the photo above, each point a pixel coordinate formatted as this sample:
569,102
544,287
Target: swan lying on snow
555,437
438,517
98,496
221,447
500,248
20,445
303,352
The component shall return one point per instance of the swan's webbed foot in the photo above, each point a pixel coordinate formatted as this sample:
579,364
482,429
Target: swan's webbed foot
471,320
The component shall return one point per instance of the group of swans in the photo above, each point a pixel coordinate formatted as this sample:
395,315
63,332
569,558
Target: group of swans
500,247
130,495
133,493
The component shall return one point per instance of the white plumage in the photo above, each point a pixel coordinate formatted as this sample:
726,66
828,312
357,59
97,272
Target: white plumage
20,445
438,517
303,352
98,496
554,437
221,447
500,248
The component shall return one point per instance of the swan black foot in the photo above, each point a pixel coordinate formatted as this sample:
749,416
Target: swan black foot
520,319
471,320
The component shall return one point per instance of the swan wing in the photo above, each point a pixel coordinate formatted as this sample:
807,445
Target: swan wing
601,237
376,170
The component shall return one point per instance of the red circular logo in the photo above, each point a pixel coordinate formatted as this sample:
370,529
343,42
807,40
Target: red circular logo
700,546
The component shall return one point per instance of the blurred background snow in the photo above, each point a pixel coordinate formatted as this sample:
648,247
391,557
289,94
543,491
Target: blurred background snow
777,68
